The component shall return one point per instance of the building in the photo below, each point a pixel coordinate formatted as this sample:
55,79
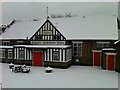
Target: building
59,42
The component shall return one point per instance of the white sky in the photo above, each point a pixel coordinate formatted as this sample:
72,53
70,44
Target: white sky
29,10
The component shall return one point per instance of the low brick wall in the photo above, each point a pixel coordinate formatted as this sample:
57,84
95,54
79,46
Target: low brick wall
58,64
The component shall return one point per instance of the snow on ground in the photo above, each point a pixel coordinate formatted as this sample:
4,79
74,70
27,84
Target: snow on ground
73,77
0,75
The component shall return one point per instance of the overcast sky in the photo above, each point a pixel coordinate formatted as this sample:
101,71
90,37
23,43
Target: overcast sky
27,10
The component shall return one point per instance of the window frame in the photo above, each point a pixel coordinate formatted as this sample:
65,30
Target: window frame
5,42
79,48
103,44
21,56
56,37
58,56
3,53
10,52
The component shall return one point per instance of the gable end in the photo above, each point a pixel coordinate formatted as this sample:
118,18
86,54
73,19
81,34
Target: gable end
48,32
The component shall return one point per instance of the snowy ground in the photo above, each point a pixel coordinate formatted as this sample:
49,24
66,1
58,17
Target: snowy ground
0,75
73,77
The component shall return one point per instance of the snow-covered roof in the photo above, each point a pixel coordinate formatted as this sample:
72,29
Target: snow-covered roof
87,28
6,47
108,49
72,28
43,46
22,29
117,42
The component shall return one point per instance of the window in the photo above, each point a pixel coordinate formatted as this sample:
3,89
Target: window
57,37
6,43
102,44
21,54
56,56
68,54
3,53
38,37
20,42
10,54
0,53
77,48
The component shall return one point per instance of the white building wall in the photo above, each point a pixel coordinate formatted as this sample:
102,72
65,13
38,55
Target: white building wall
25,54
60,55
14,53
51,55
30,54
47,54
17,53
63,55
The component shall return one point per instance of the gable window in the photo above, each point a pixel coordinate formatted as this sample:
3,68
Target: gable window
77,48
56,37
56,56
102,44
21,54
10,54
38,37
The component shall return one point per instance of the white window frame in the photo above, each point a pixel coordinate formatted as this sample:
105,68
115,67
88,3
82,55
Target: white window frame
58,55
10,52
3,53
77,46
20,54
19,42
102,44
6,42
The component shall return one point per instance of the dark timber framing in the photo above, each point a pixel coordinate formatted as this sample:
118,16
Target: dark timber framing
50,32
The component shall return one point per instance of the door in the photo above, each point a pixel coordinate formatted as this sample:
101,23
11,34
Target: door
37,58
96,58
111,62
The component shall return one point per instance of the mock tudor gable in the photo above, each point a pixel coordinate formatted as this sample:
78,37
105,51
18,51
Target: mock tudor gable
47,32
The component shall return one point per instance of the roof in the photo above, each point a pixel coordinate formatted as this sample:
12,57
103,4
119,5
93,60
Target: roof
87,28
72,28
108,49
22,29
117,42
43,46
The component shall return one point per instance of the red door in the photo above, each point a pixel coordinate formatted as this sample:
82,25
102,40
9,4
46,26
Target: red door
96,58
37,58
111,62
